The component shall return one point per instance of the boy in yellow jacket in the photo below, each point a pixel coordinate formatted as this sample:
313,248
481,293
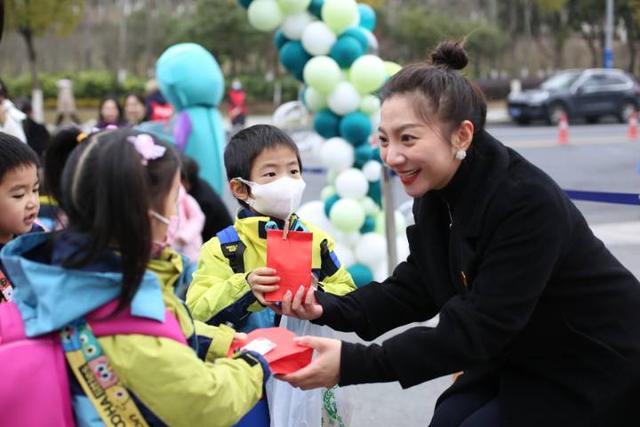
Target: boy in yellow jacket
264,171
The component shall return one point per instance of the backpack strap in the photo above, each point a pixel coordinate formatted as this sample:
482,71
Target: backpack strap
232,248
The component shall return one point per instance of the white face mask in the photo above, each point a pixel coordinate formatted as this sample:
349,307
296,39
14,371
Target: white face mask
278,199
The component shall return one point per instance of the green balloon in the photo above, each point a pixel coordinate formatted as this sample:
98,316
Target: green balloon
339,14
401,223
289,7
347,215
367,74
327,192
314,100
390,68
370,104
370,207
322,73
264,15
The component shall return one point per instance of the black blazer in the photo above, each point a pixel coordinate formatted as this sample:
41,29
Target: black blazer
531,303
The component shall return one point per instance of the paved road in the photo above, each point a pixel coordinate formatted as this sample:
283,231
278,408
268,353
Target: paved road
599,158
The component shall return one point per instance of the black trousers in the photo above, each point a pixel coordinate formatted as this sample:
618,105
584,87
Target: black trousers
471,409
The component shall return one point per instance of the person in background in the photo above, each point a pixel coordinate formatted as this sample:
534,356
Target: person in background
237,105
10,117
158,108
66,105
36,133
134,109
110,113
216,214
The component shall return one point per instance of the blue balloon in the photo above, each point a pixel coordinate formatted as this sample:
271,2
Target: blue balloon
315,7
375,154
375,192
361,274
367,16
355,128
363,153
245,3
328,204
326,123
279,39
293,57
358,34
346,50
369,225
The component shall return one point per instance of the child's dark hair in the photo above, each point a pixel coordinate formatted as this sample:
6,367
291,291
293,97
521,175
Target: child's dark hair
55,157
442,92
107,195
246,145
15,154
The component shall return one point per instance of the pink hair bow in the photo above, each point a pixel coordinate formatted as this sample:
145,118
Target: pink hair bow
146,147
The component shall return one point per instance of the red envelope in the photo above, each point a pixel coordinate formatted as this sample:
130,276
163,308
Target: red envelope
286,357
291,258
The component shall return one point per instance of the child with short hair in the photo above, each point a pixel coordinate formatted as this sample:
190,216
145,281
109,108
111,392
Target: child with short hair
264,171
119,190
19,186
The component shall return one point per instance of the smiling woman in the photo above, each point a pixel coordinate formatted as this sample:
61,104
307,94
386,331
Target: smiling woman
538,314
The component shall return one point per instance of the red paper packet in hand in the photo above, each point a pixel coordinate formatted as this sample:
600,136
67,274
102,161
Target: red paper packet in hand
285,357
291,258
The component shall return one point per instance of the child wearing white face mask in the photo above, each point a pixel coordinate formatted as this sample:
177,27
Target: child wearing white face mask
264,167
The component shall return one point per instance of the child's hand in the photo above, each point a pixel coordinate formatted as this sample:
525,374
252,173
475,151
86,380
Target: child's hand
301,305
263,280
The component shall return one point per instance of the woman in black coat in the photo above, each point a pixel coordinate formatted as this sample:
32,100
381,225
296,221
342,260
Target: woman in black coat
538,314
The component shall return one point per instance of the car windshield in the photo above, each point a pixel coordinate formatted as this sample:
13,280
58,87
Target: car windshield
560,81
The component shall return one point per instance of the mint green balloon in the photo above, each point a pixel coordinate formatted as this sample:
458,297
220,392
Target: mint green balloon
391,68
327,192
401,223
322,73
289,7
347,215
370,104
340,14
367,74
264,15
314,100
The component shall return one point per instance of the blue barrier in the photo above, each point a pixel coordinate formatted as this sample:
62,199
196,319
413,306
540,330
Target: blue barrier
599,196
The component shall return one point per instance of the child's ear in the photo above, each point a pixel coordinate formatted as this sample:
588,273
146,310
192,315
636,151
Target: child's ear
239,190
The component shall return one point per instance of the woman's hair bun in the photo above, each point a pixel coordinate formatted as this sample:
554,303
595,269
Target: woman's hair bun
451,55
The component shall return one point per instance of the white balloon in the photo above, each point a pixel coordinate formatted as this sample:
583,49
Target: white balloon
294,25
337,154
381,273
317,38
372,170
348,239
371,250
402,248
313,212
375,122
372,42
352,184
344,99
344,254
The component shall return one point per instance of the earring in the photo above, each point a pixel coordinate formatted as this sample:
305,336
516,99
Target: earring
461,154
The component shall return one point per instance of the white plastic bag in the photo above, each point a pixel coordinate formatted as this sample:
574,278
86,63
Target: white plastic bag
292,407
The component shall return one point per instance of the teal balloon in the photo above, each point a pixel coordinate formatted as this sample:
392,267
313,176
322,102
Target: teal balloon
367,16
361,274
279,39
358,34
369,225
329,202
375,154
375,192
363,153
315,8
326,124
355,128
346,50
293,57
245,3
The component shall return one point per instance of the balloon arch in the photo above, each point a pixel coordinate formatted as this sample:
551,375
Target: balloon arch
329,46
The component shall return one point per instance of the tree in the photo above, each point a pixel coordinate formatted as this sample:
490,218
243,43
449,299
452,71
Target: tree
34,18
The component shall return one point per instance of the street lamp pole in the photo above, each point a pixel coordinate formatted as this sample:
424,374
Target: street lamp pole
608,46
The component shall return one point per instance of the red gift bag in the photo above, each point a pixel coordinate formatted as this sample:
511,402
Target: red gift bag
285,356
291,258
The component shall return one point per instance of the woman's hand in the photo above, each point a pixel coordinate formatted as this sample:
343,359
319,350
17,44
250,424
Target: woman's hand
262,280
323,371
301,305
